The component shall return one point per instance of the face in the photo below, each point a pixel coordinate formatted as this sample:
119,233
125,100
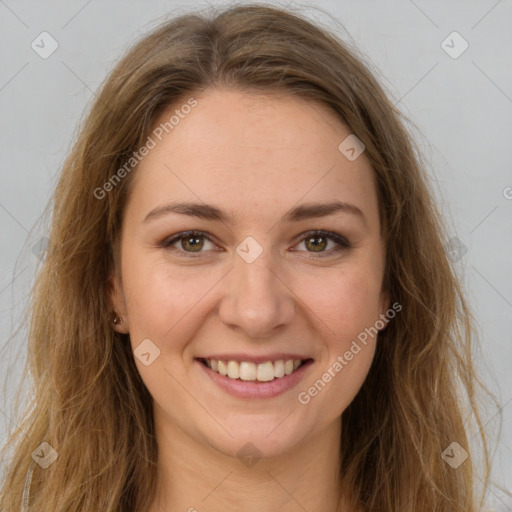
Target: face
254,282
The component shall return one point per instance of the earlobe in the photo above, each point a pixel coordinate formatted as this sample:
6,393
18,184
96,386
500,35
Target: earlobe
118,315
118,323
384,302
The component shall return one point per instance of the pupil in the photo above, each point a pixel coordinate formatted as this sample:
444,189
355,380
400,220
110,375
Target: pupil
317,245
196,242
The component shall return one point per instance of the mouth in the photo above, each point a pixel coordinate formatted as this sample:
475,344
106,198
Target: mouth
248,371
257,380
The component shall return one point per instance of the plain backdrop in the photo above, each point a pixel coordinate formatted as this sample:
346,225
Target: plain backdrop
456,89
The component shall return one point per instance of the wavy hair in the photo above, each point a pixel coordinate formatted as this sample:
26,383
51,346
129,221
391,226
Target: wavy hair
88,400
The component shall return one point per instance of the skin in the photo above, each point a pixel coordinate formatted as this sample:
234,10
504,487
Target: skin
255,156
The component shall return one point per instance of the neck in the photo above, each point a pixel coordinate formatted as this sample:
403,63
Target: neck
193,476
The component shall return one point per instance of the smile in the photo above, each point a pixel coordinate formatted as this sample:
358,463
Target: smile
248,371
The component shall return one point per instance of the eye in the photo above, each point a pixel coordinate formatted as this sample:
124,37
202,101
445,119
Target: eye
318,248
191,242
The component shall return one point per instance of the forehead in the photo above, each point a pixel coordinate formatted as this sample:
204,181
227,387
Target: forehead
252,153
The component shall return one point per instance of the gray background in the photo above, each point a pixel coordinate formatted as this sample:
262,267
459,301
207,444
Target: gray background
460,107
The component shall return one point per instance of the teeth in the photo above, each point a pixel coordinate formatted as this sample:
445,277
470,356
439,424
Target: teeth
266,371
223,368
233,370
279,369
248,371
263,372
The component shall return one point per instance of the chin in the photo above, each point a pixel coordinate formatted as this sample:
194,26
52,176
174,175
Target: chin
256,437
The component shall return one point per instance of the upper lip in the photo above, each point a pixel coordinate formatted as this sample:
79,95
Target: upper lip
256,358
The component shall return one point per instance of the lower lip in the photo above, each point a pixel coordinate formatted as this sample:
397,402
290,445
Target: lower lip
255,390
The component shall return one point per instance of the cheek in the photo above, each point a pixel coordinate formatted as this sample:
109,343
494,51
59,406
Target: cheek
347,309
165,306
165,302
345,302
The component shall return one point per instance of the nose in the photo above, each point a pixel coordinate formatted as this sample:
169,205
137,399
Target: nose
257,298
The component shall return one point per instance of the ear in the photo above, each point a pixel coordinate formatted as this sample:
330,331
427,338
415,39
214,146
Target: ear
117,303
384,302
384,307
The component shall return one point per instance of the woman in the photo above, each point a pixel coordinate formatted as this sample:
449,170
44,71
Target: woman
246,302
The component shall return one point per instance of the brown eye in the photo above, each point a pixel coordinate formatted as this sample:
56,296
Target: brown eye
317,242
195,243
192,243
312,242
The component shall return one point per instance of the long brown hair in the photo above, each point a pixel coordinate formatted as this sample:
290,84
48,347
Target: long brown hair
89,402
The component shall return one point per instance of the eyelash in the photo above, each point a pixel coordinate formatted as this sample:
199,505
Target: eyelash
342,243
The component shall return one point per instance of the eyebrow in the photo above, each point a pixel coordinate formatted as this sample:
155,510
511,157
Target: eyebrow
301,212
